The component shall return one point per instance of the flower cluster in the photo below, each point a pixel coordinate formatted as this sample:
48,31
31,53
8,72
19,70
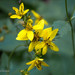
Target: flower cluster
40,38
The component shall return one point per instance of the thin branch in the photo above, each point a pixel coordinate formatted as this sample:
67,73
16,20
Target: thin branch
70,25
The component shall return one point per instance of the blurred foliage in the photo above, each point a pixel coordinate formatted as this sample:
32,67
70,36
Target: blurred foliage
63,27
61,63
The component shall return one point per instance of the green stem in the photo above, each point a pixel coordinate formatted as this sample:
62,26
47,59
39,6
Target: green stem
70,25
73,11
11,56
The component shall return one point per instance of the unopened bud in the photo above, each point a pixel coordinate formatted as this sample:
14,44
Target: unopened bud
1,38
24,72
29,17
9,14
30,21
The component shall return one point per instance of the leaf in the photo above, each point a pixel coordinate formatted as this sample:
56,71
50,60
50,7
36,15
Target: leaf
63,27
10,41
4,61
7,5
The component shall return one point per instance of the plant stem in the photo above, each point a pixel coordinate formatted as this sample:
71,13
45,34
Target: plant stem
72,32
11,56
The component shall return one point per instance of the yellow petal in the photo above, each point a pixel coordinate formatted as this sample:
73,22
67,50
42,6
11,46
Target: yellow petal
21,7
30,62
53,47
35,14
44,51
31,67
44,64
22,35
25,11
30,35
46,33
40,59
39,32
39,67
29,21
36,21
31,46
16,10
53,34
39,45
15,16
39,26
46,23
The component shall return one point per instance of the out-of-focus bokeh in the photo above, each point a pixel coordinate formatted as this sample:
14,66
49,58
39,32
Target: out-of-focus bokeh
62,62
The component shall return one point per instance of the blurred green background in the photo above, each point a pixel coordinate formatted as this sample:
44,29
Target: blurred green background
62,62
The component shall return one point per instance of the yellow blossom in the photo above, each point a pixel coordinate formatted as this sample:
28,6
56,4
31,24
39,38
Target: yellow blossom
36,62
19,12
28,33
38,17
48,35
32,45
35,41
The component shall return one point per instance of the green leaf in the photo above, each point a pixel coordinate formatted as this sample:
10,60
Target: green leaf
4,61
63,27
9,43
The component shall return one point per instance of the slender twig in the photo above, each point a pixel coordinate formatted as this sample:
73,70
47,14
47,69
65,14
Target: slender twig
11,56
70,25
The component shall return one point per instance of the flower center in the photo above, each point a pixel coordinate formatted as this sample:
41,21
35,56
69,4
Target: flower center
47,42
29,27
40,17
38,63
36,37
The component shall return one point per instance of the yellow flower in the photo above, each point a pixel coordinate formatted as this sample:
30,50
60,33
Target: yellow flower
38,18
27,33
48,35
20,12
37,62
35,41
32,45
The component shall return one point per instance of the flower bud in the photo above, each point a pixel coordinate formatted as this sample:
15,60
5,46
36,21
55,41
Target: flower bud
9,14
1,38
